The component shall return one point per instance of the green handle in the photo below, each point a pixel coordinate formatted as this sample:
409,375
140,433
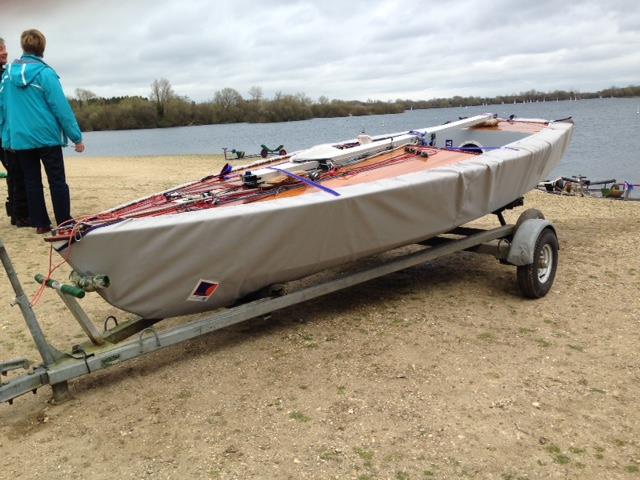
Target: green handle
68,289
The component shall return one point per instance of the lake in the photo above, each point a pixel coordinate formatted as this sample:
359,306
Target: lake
606,140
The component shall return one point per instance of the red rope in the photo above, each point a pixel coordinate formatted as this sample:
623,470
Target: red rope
65,258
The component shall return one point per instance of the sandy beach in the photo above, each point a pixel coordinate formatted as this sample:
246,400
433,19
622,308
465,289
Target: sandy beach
440,371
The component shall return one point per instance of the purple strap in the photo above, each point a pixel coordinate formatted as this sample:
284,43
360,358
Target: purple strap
305,181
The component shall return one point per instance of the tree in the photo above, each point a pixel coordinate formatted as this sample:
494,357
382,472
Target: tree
161,94
256,94
84,95
227,98
227,104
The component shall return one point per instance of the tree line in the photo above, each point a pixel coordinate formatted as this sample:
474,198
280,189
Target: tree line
164,108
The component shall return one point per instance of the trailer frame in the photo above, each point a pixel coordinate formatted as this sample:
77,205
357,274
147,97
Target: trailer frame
138,337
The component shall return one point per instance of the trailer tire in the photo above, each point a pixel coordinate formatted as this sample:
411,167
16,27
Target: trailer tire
264,152
535,280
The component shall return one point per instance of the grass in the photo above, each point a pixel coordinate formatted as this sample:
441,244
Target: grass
308,341
576,347
486,336
184,394
543,343
553,449
328,455
557,455
526,331
299,416
365,455
599,452
392,457
511,476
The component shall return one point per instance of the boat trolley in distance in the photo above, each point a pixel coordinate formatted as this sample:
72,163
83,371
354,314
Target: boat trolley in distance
530,244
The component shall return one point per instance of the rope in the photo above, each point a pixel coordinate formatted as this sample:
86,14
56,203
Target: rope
65,258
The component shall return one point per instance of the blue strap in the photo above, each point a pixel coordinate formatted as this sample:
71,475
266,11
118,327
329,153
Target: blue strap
306,181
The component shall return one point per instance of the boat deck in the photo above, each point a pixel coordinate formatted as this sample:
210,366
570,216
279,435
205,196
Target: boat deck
388,165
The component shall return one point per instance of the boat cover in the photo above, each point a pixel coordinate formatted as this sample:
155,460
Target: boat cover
194,261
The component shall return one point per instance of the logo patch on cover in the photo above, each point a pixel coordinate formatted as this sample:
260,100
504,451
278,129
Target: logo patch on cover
204,291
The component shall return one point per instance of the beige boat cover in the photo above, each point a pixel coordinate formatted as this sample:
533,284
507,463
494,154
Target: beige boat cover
195,261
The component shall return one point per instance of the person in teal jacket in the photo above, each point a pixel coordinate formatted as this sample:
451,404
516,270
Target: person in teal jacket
16,204
37,121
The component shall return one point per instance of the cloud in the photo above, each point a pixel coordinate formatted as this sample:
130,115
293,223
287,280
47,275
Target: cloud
378,49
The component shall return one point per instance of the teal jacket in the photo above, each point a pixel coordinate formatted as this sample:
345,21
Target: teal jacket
34,112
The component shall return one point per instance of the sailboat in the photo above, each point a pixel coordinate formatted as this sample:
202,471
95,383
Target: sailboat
208,243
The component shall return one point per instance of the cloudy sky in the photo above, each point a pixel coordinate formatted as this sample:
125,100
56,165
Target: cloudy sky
347,49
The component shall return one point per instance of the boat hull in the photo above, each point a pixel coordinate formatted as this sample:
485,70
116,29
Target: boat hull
195,261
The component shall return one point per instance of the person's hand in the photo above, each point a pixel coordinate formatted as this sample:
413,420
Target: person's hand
80,147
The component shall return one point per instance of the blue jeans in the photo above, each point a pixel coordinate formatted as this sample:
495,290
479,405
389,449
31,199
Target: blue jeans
53,162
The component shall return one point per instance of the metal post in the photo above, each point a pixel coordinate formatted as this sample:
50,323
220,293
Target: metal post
46,352
76,310
61,392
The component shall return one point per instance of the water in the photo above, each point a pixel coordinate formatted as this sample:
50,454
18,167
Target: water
606,140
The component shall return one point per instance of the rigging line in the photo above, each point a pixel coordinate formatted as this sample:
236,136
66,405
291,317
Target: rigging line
306,181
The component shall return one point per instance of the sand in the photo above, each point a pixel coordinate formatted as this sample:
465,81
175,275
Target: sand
441,371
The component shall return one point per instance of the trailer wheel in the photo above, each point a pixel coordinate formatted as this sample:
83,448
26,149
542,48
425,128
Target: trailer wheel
264,152
535,280
282,152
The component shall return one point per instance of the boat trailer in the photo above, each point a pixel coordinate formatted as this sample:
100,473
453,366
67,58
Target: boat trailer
265,151
531,245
